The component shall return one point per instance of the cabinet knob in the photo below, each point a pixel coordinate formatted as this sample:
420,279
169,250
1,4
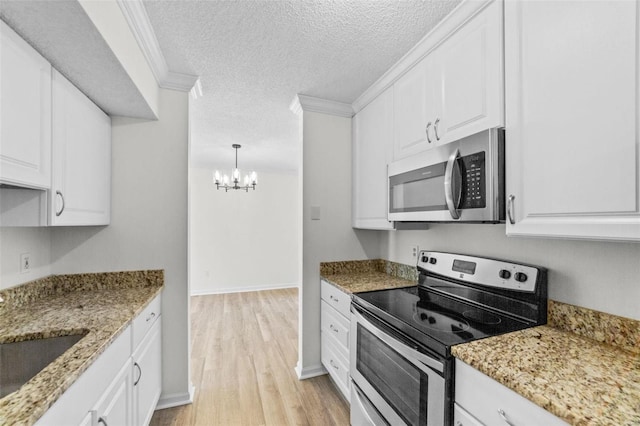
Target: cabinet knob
426,130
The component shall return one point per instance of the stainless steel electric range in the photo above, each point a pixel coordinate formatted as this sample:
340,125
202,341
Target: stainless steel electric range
401,365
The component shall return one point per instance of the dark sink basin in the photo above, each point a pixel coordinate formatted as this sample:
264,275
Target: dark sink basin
20,361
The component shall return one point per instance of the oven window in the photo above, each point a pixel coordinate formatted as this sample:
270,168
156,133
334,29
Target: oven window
399,382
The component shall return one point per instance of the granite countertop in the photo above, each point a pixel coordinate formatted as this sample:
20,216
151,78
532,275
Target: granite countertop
583,366
368,275
98,305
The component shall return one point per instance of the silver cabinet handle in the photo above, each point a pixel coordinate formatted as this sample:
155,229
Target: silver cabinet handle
103,421
150,317
451,179
504,417
426,130
335,299
333,365
135,364
435,128
332,328
510,209
62,198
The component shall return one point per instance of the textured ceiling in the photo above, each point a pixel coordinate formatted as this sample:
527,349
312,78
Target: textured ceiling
63,33
253,57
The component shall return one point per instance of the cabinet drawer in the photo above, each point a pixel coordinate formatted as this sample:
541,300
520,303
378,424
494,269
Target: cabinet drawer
337,364
462,418
485,399
334,324
143,322
334,297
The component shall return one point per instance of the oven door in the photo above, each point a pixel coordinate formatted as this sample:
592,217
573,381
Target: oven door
405,386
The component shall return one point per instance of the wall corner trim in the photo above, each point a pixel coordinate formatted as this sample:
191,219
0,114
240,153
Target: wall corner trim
138,20
309,103
176,399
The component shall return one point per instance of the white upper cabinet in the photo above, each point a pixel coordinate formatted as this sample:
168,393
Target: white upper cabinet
25,113
372,145
572,119
456,90
472,74
81,187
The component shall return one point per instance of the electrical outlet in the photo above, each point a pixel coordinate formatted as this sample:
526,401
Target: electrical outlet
414,251
25,263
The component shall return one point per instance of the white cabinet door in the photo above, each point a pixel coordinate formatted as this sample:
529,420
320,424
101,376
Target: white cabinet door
372,151
410,111
147,373
81,189
472,70
25,113
572,117
114,408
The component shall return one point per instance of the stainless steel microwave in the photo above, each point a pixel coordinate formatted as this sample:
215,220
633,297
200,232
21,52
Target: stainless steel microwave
462,181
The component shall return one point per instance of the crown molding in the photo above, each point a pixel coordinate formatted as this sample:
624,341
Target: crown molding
138,20
309,103
464,12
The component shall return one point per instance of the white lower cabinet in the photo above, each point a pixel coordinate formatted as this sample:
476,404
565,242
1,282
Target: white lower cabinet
147,373
480,400
114,408
334,332
122,387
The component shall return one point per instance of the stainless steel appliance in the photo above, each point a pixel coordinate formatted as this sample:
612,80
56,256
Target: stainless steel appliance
460,181
401,365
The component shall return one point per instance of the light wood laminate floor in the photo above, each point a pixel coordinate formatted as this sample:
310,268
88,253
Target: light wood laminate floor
244,349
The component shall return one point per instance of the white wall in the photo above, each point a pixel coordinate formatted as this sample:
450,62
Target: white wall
327,185
16,241
148,227
243,241
604,276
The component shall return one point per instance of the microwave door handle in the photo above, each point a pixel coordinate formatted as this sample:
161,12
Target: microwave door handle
452,184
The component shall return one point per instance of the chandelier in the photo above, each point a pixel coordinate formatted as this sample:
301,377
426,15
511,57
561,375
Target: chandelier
234,182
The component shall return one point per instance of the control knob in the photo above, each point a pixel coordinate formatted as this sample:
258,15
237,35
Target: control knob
504,274
432,261
520,277
425,259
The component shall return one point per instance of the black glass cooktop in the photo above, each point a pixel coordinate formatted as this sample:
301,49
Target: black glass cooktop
433,319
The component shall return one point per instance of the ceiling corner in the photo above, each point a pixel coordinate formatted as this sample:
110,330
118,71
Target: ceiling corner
138,20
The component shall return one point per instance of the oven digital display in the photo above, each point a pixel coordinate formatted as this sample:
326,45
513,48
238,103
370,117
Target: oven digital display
464,267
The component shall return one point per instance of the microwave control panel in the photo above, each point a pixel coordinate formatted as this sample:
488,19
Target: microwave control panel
472,169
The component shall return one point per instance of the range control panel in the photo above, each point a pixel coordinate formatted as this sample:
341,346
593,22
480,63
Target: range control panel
480,270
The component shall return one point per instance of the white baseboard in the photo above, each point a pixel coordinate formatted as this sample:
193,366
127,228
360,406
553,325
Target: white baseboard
309,372
176,399
243,289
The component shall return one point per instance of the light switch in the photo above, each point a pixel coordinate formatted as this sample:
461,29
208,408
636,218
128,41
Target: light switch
315,212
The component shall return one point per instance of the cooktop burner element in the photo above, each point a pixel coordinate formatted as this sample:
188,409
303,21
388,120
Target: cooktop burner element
461,298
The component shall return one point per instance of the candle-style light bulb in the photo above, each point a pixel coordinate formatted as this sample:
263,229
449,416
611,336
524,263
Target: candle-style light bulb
254,178
225,180
236,175
216,177
246,180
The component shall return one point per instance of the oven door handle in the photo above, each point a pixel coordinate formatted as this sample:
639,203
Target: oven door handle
452,187
397,346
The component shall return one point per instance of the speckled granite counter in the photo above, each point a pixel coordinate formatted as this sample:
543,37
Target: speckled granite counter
584,366
100,305
367,275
